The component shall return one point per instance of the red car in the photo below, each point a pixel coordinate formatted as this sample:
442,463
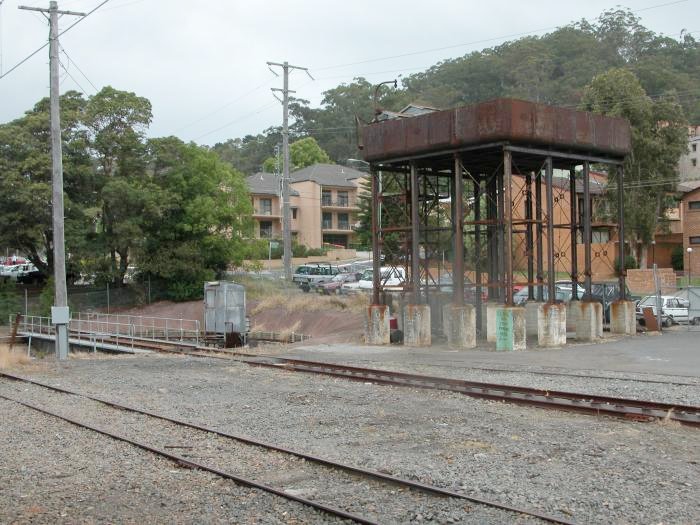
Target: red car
336,283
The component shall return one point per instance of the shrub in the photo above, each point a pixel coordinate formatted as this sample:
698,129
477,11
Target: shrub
677,258
9,300
630,263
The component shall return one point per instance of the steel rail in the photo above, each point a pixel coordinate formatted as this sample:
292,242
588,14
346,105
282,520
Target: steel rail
625,408
423,487
196,465
553,399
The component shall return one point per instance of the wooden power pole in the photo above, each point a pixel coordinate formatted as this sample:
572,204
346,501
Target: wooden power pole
286,210
59,312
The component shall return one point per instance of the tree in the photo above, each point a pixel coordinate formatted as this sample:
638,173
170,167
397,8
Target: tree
659,137
302,153
116,122
203,221
25,185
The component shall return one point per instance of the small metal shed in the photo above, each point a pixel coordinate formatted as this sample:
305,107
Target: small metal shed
224,308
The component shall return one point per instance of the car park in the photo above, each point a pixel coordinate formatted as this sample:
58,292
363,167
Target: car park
673,309
563,293
391,277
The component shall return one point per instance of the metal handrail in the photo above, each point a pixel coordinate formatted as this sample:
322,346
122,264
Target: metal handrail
89,325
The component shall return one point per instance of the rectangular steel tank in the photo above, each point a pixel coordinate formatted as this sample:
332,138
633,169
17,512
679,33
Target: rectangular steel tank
224,308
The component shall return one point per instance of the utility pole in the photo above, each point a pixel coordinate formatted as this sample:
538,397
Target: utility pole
60,315
286,211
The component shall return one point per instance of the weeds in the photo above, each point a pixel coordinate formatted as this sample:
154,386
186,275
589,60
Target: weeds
11,358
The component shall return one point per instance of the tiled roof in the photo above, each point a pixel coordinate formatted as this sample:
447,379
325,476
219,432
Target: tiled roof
266,184
328,175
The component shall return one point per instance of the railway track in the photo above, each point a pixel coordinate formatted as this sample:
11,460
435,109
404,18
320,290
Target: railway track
339,478
630,409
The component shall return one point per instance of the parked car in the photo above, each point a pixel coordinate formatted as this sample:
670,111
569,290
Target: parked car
391,276
31,277
335,285
563,294
18,272
310,275
673,309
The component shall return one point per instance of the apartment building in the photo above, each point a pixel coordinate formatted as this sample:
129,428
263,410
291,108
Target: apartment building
689,164
328,204
323,199
265,192
689,208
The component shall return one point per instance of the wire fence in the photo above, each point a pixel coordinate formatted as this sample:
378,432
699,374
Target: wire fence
93,298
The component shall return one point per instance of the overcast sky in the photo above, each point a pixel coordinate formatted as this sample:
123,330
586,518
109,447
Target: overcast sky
202,64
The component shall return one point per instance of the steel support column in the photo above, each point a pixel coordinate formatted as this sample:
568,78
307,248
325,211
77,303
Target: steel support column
621,229
500,234
415,235
587,234
376,220
492,236
458,235
551,270
507,205
477,248
540,235
529,241
573,224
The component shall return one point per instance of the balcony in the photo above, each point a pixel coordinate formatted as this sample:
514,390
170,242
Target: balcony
341,227
344,204
275,214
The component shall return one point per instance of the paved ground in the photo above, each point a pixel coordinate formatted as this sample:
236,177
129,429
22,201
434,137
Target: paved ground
676,352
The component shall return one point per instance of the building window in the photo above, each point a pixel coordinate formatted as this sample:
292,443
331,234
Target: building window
600,236
327,222
336,240
265,229
343,221
694,205
343,199
294,213
694,240
326,198
695,147
265,207
694,162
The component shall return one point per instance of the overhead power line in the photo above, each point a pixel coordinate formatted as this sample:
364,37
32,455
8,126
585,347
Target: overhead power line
3,75
475,42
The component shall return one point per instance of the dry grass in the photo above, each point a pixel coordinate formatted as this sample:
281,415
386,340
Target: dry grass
11,359
287,332
311,303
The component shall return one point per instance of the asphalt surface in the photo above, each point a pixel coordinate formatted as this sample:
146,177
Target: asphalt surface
676,352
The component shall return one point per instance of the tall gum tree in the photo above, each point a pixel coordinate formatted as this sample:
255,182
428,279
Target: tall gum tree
659,137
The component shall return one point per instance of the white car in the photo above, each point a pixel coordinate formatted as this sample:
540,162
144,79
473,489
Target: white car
673,309
390,277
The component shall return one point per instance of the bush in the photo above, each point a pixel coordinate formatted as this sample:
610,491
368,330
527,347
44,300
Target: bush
315,252
677,258
630,263
9,300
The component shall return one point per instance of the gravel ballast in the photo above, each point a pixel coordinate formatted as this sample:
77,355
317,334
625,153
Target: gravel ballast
587,469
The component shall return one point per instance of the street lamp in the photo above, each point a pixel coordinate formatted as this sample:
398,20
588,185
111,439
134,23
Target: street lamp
690,251
653,252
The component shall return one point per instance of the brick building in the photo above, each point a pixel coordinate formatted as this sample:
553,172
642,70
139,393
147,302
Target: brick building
690,219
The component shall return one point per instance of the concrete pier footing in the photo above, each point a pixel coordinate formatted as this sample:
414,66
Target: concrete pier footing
510,328
460,325
572,314
551,324
589,325
491,309
377,331
623,318
532,320
416,323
